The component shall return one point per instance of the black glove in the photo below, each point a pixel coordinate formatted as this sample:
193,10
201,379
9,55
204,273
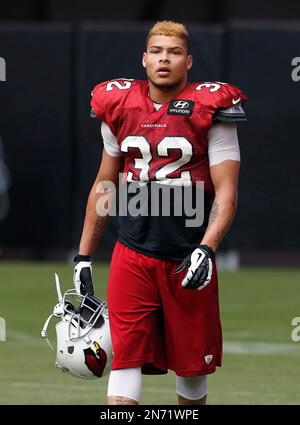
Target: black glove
82,277
200,266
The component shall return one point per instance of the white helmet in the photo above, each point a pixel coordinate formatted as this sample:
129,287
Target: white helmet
84,346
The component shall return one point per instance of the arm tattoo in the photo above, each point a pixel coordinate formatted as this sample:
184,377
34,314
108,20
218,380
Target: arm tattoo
214,212
99,228
220,236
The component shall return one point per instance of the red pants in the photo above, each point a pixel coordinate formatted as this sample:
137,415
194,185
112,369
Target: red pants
156,323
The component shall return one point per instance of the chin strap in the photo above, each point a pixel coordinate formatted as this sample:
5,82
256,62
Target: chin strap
44,332
58,311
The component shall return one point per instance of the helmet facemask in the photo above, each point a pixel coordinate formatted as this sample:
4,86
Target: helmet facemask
84,346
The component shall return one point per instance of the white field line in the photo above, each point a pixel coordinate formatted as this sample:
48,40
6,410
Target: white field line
229,346
66,386
39,385
28,339
261,348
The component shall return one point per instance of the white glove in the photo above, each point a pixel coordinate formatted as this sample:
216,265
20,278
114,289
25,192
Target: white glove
200,267
82,277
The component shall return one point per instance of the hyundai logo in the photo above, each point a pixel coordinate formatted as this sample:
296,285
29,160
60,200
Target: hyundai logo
181,104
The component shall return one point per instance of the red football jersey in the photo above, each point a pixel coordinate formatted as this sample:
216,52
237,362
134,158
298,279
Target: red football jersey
169,146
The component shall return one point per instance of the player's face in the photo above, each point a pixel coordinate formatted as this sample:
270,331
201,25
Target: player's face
167,61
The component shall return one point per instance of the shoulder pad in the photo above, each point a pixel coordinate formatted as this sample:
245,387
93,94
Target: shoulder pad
217,95
107,96
234,113
118,84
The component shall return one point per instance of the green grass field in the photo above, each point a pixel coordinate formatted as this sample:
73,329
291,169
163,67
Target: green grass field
261,364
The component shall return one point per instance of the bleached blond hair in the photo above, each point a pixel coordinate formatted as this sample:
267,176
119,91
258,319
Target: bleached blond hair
171,29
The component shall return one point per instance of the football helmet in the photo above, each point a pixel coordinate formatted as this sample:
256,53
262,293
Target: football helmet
84,347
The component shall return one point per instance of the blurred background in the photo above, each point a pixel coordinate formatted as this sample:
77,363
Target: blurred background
55,52
52,54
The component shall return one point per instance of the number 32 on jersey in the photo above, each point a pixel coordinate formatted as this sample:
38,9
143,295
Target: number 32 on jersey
144,166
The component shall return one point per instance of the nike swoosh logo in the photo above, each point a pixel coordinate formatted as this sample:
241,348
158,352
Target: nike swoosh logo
201,255
235,101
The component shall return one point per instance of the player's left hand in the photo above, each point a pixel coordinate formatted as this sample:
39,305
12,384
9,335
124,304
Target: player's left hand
200,267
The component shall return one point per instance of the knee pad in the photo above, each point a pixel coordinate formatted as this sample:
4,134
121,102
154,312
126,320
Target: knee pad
191,387
125,383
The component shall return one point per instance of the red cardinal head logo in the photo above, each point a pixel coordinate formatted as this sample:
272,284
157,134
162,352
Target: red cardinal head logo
95,359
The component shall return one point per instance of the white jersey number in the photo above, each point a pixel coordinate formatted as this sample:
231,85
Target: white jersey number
123,85
144,162
211,86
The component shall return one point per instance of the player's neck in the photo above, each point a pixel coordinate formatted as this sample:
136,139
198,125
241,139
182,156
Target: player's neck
164,94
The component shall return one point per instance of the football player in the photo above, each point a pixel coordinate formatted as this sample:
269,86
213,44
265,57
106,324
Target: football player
163,288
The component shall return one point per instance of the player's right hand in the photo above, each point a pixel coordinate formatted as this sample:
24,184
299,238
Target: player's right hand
82,277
